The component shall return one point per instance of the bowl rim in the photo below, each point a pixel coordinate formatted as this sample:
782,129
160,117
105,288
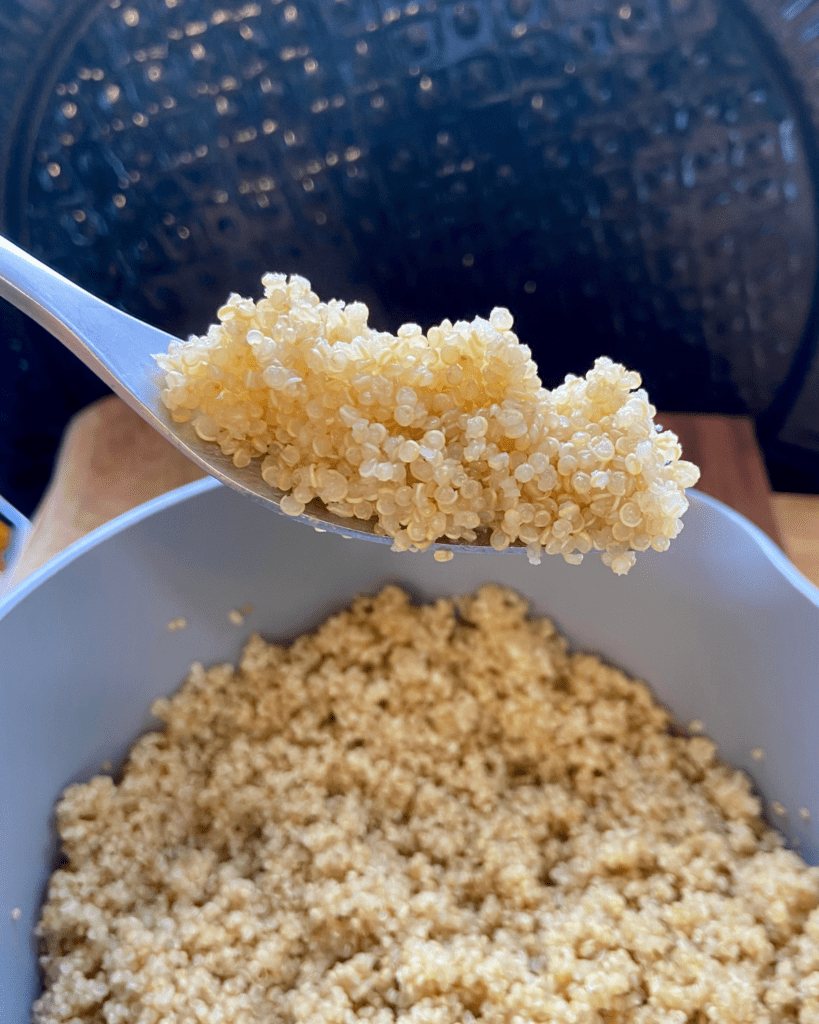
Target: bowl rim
775,556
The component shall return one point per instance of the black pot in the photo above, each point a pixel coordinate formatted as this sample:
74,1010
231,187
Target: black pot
636,180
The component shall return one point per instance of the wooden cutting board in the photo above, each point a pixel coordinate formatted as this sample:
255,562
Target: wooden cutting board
725,449
110,461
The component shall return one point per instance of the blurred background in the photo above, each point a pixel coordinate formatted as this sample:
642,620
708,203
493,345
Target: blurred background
637,179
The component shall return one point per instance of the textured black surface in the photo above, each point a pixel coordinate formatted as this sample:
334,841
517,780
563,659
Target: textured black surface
41,386
635,179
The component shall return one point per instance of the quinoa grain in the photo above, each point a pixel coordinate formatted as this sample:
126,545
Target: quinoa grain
424,815
443,436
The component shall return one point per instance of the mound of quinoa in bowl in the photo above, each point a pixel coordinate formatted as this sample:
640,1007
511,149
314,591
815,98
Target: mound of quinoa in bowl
425,815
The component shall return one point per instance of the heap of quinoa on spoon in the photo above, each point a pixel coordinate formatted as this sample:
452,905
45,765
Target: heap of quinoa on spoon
443,436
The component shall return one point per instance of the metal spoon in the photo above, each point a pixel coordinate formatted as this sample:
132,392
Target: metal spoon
119,349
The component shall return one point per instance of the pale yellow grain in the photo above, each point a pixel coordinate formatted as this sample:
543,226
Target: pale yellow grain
424,815
329,409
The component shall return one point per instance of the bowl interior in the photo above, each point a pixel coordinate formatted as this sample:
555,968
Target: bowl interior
721,627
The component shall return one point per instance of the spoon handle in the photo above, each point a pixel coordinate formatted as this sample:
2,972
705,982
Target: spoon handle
116,346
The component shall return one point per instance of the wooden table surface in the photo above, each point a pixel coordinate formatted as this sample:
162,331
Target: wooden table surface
110,461
725,449
797,516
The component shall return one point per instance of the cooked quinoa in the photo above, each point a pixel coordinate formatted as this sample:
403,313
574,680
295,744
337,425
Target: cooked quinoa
428,815
445,436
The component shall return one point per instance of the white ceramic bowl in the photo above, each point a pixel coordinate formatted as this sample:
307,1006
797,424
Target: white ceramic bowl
722,626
